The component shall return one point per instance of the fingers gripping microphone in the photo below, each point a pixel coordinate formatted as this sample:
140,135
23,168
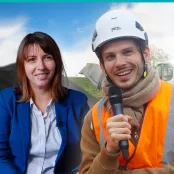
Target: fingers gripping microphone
115,99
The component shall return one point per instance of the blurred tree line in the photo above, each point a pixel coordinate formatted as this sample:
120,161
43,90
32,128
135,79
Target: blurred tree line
157,55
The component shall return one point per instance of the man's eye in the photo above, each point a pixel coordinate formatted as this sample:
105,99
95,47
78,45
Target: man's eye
128,52
110,57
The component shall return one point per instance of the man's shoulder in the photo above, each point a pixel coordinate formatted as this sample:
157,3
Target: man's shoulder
166,87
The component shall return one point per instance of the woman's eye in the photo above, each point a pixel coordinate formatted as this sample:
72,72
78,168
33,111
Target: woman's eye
31,59
49,57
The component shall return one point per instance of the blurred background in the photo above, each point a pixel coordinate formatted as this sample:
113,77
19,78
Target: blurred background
72,26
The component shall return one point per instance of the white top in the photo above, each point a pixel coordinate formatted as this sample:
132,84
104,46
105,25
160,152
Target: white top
45,140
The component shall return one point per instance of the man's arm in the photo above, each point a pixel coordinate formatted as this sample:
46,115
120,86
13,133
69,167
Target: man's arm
96,160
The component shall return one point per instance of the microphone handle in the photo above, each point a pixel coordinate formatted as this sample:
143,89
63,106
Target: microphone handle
117,108
124,145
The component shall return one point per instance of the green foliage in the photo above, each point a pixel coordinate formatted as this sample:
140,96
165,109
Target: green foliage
157,55
85,84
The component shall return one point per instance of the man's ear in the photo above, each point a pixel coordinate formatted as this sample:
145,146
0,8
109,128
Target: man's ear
102,67
146,54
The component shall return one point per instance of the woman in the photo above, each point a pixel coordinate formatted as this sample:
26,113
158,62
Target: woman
40,120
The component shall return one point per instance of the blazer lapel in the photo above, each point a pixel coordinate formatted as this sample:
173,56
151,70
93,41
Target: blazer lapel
61,119
23,112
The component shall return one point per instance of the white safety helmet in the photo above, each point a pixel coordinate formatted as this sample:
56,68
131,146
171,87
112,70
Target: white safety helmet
117,24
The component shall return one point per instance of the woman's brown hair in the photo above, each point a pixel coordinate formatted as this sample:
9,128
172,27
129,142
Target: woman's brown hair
49,46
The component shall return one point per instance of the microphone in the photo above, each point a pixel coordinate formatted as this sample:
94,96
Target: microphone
115,99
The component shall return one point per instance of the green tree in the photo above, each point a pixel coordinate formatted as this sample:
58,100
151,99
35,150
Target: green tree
157,55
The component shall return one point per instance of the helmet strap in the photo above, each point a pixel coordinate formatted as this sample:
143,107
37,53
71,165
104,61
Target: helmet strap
145,70
144,63
109,79
107,76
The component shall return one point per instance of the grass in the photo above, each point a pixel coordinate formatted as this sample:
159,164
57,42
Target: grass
85,84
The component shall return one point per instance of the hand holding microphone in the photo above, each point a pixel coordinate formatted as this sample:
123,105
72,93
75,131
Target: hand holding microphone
118,127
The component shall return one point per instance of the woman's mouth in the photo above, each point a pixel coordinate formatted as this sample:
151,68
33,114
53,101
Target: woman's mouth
41,76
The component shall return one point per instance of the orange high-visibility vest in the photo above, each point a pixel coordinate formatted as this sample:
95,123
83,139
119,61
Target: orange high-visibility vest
156,142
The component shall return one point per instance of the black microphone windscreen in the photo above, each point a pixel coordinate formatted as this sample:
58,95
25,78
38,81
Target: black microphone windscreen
114,94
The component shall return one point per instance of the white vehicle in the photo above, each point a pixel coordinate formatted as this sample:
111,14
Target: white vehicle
166,71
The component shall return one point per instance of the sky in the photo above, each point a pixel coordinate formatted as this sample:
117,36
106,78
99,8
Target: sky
72,25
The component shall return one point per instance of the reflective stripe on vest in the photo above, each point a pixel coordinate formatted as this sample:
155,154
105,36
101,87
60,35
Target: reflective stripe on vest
156,142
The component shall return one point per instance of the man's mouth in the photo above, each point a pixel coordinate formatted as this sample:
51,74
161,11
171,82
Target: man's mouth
124,73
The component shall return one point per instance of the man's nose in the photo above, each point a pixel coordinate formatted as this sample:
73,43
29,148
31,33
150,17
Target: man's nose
119,61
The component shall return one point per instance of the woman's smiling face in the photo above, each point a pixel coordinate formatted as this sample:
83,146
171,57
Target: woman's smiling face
39,67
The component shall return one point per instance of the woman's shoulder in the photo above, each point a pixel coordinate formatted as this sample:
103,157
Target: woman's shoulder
74,93
8,91
8,95
76,97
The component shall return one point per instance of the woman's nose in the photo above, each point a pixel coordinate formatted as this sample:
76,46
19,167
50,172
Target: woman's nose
40,65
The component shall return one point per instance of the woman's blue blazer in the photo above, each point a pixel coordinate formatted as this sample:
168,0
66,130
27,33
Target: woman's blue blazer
15,132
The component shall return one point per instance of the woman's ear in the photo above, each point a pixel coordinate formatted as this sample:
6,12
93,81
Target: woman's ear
146,54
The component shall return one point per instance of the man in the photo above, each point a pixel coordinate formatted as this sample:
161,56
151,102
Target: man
121,45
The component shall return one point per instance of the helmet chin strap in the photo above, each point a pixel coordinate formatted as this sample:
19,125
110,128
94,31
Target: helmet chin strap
107,76
109,79
144,63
